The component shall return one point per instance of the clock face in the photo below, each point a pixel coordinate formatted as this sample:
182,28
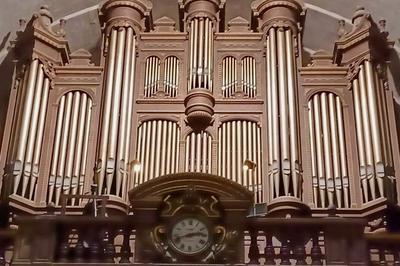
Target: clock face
190,236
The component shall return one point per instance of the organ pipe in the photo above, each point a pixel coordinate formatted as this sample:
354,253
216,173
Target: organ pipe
283,111
201,34
70,146
198,152
152,76
328,156
25,121
27,172
371,132
112,166
370,169
161,136
171,76
121,161
241,141
28,132
284,165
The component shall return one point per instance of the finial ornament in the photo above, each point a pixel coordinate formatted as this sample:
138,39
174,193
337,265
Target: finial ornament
382,25
61,32
342,28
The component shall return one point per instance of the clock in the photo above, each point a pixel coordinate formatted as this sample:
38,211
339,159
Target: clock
190,236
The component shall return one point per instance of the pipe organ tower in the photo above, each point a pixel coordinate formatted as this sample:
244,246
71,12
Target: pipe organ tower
235,99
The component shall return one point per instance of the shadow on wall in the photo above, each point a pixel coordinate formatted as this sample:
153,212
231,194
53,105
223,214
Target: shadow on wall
6,76
394,69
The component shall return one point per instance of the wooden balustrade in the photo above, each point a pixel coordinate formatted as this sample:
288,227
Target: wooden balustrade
306,241
77,240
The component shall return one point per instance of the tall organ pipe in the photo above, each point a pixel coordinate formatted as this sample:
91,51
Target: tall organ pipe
39,137
121,163
32,132
79,146
314,171
370,169
161,136
275,113
375,127
70,146
269,120
360,138
328,156
241,141
25,120
71,139
56,148
113,137
283,104
201,46
292,111
107,109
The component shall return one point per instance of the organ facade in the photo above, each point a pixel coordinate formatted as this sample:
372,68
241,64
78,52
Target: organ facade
195,108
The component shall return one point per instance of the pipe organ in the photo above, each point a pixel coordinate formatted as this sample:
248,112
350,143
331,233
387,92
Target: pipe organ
320,132
283,148
373,150
171,76
69,159
31,114
198,152
248,73
239,141
201,35
229,76
328,151
152,74
161,136
112,166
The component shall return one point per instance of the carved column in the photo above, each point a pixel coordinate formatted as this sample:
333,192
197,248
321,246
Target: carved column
364,50
281,22
38,50
201,19
122,21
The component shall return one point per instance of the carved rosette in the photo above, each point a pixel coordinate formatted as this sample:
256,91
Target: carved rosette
199,111
279,13
125,13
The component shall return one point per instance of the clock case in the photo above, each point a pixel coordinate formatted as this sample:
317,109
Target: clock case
220,204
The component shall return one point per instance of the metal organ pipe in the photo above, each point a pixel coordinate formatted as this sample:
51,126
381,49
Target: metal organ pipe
25,121
328,155
283,110
371,132
273,89
375,127
121,160
32,130
171,76
198,152
241,140
117,108
201,36
157,149
370,169
284,165
107,109
360,138
70,146
28,132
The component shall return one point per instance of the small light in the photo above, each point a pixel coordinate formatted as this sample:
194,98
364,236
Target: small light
136,166
248,165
